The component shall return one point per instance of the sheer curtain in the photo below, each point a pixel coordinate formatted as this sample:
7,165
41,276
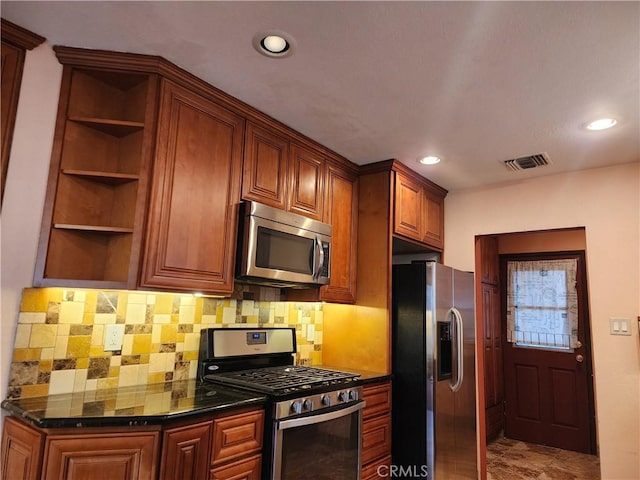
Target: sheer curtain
542,303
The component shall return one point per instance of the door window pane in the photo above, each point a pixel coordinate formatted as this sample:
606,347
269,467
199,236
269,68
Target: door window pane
542,303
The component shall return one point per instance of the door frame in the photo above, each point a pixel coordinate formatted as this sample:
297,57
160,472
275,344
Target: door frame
584,306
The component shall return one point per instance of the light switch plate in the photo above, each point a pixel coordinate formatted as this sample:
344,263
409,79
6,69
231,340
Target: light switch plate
619,326
113,335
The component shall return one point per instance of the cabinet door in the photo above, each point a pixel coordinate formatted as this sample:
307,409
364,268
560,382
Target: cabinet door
237,435
433,217
408,208
264,177
245,469
116,456
185,452
342,214
21,451
196,189
376,438
307,171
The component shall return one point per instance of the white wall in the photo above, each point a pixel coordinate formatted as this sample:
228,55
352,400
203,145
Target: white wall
606,201
25,188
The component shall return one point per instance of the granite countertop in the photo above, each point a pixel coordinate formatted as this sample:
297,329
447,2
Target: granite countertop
151,404
364,376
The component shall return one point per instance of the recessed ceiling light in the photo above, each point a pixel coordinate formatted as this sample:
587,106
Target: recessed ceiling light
274,44
430,160
602,124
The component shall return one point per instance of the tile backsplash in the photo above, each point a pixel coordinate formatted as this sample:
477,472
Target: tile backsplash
59,343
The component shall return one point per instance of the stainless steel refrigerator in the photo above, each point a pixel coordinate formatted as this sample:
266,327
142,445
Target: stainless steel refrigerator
433,360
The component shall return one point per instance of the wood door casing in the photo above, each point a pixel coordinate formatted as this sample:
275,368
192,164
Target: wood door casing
493,382
548,396
195,195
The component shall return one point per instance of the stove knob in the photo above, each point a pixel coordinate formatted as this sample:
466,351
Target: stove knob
343,396
296,407
325,400
308,405
353,395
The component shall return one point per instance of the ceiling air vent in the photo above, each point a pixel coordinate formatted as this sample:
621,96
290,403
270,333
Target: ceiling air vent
531,161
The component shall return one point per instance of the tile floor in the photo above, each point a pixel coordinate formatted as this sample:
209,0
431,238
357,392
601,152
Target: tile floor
514,460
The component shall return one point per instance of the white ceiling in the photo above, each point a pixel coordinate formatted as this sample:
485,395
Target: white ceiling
476,83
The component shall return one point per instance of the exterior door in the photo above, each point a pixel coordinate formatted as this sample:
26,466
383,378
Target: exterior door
547,359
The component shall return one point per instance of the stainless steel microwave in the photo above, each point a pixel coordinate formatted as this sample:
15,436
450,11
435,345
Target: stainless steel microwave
281,248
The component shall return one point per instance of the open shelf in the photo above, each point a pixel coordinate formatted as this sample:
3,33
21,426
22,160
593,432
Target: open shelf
111,178
117,128
93,228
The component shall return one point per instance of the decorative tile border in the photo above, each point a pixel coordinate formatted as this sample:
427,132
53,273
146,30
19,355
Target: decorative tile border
59,343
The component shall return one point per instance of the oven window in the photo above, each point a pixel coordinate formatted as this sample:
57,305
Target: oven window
326,450
284,251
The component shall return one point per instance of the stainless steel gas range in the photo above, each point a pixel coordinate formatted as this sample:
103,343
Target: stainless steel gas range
313,415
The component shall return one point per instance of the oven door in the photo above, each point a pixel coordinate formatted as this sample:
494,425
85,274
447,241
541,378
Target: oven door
319,447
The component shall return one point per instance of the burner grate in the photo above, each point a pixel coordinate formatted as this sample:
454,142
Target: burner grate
281,379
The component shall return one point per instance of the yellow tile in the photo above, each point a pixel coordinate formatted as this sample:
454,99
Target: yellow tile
30,391
54,294
43,335
114,372
121,309
45,365
105,383
141,343
179,337
164,304
156,377
169,333
78,346
26,354
96,351
191,355
80,363
316,358
88,318
91,300
144,358
198,310
34,300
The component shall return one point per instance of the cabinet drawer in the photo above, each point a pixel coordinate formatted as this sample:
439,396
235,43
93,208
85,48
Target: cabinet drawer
376,438
237,435
245,469
376,470
378,400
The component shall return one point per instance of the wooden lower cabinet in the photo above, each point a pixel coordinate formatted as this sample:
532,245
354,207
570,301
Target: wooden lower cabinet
21,450
185,452
223,446
245,469
115,455
377,469
376,430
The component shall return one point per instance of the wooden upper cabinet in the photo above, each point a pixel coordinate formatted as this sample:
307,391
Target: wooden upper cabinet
408,212
281,173
265,170
307,170
433,218
95,208
195,193
341,212
418,210
15,42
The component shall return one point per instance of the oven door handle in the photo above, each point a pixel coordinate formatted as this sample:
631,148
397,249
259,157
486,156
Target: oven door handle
323,417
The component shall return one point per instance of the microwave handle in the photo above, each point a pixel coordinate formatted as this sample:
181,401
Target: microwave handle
316,273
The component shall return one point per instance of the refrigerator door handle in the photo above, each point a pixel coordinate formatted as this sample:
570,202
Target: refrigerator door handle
458,345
